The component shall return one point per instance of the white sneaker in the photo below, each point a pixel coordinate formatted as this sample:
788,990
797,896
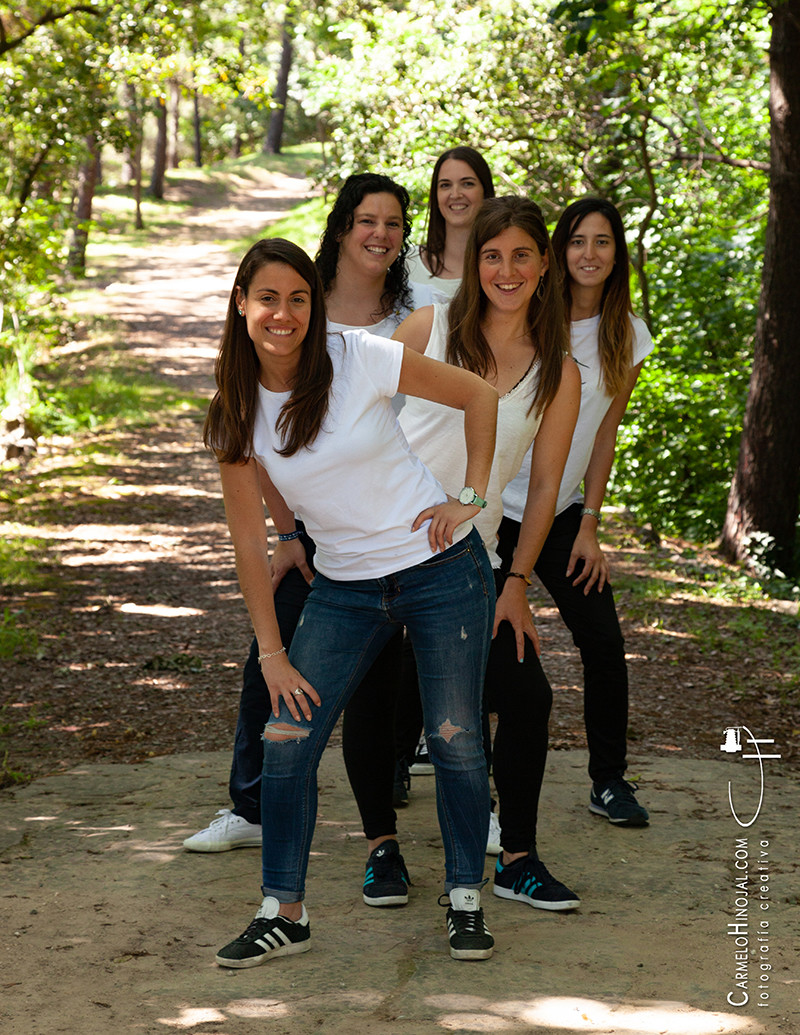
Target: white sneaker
422,765
493,840
229,831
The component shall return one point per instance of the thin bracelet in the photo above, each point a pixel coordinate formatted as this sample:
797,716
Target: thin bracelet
270,654
592,513
286,537
519,575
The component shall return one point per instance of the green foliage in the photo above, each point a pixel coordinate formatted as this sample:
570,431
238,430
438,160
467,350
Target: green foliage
613,99
303,225
88,396
16,641
19,560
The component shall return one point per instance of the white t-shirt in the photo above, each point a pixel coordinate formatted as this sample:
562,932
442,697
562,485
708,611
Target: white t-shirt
358,487
426,288
384,329
595,402
435,433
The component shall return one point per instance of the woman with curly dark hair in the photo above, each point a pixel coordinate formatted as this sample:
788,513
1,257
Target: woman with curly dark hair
361,263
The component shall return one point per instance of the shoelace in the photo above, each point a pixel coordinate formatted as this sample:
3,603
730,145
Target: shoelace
468,922
624,790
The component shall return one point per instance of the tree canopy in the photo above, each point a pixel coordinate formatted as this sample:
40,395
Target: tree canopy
661,106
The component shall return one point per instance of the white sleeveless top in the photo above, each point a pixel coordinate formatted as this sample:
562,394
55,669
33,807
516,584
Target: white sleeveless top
435,434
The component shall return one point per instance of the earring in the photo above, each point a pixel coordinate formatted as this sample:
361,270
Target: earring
540,288
241,312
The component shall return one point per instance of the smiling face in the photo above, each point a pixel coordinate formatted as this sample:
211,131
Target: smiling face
376,237
459,193
591,251
510,267
277,308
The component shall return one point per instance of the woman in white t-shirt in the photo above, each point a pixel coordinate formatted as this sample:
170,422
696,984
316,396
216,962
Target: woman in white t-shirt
461,180
303,420
507,324
609,345
361,260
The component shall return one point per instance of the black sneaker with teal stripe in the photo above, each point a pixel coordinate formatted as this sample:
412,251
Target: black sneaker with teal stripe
386,880
528,880
615,799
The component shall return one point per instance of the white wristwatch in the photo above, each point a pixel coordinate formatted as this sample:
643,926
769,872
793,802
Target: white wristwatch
469,495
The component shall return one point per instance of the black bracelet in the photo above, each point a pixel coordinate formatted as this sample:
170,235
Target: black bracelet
519,575
286,537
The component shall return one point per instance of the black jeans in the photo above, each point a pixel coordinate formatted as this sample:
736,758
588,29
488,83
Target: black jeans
592,620
521,696
380,685
244,785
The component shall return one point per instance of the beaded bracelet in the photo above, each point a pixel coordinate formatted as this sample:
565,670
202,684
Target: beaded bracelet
592,513
519,575
270,654
286,537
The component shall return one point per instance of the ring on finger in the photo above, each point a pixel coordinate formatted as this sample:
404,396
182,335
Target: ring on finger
298,692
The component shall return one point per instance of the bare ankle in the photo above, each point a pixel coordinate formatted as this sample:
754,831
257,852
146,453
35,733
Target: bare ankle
373,844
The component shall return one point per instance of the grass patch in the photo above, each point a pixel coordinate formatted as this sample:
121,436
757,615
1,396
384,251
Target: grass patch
87,392
10,777
16,642
20,559
303,225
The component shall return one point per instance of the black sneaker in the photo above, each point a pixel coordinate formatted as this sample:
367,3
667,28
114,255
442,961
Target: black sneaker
268,935
386,880
615,800
528,880
470,938
402,784
422,765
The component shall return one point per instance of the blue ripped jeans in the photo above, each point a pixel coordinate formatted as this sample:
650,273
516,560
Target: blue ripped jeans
447,606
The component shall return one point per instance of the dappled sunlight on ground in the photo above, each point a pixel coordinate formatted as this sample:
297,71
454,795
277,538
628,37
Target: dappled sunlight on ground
556,1014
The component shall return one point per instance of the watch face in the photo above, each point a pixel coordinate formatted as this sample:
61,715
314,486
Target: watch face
466,496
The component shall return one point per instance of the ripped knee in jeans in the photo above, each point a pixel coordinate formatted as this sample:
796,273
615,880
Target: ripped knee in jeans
284,732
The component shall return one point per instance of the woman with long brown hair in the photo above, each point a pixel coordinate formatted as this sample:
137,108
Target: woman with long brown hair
610,345
506,324
460,182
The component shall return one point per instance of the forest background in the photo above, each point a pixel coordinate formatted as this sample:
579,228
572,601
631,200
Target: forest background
684,114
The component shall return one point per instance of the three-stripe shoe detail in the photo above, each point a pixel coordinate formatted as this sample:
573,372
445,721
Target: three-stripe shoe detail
267,935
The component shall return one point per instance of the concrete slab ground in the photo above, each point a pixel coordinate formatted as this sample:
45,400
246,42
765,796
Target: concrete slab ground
108,925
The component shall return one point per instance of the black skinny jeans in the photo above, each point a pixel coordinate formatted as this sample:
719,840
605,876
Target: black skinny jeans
521,696
592,620
382,679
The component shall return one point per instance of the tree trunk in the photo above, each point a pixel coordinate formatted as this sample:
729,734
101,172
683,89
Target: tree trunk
79,231
175,123
274,137
156,189
198,140
764,494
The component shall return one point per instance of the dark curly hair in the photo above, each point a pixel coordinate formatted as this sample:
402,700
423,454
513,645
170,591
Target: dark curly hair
396,292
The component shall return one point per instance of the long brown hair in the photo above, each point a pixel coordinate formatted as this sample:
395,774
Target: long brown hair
436,230
466,343
615,333
228,428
